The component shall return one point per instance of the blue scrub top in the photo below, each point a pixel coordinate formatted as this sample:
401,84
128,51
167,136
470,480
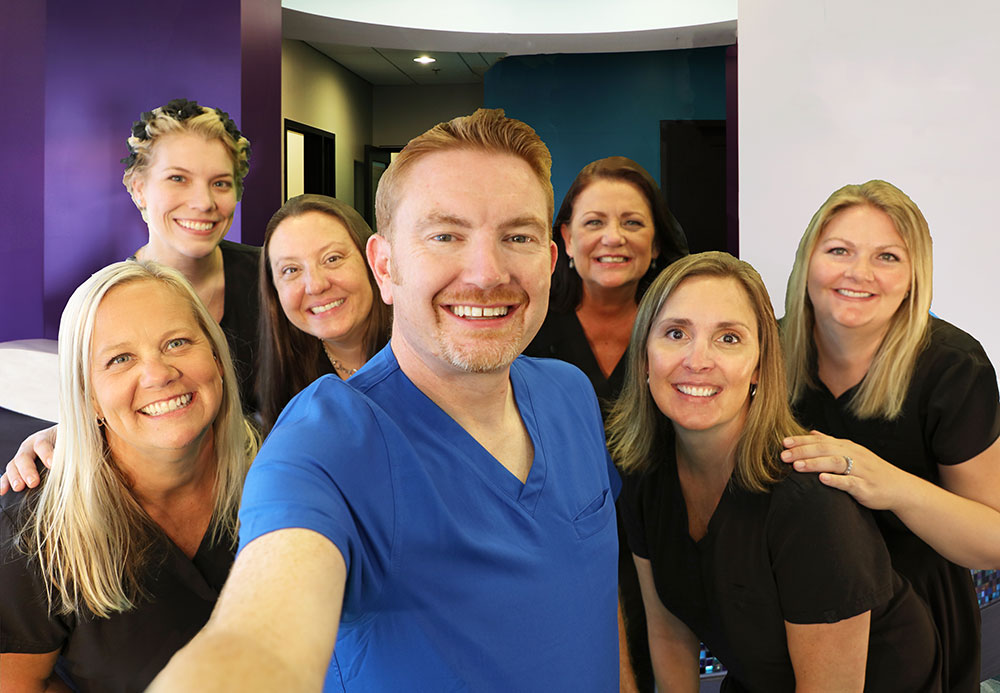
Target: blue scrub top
460,577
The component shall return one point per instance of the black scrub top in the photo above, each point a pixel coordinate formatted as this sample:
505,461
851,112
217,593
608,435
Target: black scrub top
950,414
122,653
561,337
240,312
802,553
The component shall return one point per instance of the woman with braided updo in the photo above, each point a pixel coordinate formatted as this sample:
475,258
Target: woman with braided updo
185,173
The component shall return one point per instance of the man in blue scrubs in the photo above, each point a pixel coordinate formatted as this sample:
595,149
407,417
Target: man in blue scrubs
444,521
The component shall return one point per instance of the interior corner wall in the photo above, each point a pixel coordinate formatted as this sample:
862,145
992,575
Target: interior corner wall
320,92
589,106
22,177
400,113
104,66
909,95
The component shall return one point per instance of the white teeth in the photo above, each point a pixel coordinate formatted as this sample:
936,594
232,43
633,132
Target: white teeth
854,294
329,306
479,311
695,391
612,259
167,406
196,225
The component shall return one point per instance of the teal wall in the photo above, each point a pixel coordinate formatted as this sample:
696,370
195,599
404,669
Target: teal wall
588,106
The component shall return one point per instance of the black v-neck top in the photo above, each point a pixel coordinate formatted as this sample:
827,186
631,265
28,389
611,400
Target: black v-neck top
122,653
802,553
561,337
240,313
951,414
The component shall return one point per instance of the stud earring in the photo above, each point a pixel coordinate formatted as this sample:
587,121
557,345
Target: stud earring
571,263
753,390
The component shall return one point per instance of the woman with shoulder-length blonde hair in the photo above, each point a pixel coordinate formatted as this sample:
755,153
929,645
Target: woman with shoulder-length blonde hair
911,399
786,581
117,560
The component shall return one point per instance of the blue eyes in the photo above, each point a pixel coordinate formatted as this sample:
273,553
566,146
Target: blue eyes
121,359
884,257
221,184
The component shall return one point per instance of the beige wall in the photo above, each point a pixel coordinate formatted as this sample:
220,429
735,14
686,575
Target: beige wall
401,113
319,92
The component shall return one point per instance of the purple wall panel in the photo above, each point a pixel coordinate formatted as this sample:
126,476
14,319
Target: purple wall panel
22,89
105,63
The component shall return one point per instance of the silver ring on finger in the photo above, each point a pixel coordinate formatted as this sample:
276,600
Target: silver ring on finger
850,465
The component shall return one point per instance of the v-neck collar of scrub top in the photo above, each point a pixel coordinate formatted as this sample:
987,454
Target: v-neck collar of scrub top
479,460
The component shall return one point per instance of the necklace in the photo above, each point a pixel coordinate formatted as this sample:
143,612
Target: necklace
337,365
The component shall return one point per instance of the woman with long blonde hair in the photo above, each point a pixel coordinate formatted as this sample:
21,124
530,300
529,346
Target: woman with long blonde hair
116,561
911,399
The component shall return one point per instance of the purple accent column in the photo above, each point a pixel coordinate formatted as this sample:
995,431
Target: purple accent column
22,175
732,152
261,113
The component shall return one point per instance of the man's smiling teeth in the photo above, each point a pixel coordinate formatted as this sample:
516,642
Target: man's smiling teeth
479,311
329,306
166,406
698,391
613,258
854,294
196,225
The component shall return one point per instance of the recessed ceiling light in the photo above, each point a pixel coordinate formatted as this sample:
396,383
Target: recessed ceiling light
424,60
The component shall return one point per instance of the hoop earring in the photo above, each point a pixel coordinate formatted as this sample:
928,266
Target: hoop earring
100,421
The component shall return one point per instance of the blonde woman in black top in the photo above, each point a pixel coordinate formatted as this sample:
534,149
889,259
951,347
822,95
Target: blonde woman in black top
118,559
911,399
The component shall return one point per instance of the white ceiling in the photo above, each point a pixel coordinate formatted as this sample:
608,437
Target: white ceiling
378,39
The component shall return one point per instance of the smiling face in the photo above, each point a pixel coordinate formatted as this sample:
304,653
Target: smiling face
859,271
155,378
321,278
188,195
610,235
469,264
703,353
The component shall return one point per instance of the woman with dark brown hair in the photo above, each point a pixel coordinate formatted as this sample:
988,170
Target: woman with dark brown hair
320,308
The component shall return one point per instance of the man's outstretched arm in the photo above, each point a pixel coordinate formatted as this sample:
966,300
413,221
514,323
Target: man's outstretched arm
275,624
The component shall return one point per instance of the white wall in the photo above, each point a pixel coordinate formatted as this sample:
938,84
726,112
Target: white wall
841,92
319,92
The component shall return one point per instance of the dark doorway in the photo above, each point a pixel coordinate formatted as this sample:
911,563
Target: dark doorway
309,160
693,175
377,160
